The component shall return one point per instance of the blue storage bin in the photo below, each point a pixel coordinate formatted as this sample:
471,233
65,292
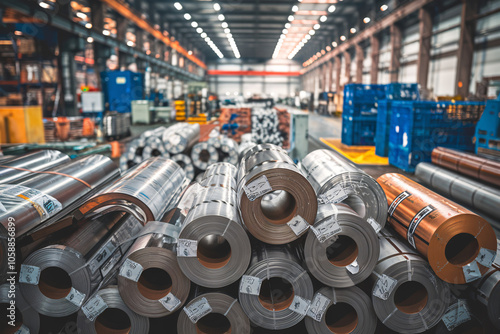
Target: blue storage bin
359,130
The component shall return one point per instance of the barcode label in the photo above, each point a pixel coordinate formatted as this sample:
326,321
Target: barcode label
300,305
326,229
75,297
187,248
335,195
170,302
456,315
318,307
250,285
198,310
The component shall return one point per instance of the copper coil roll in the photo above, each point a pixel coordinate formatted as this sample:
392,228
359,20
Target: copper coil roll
203,155
147,191
484,169
160,274
35,161
186,164
346,310
268,218
182,139
27,319
154,148
116,318
336,180
406,296
458,244
223,315
347,257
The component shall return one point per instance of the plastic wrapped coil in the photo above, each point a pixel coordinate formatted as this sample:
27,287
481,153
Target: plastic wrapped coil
221,174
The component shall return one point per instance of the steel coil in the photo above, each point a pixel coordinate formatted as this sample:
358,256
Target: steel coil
406,296
156,132
183,139
275,219
26,318
228,151
282,289
147,191
459,245
346,310
244,147
220,174
19,168
75,267
186,164
465,320
336,180
154,148
151,282
346,253
115,316
475,194
203,155
220,313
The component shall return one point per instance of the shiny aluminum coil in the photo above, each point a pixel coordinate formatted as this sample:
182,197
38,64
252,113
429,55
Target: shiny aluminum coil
459,245
198,178
183,139
345,258
186,164
19,168
244,147
155,276
346,310
154,148
147,191
267,168
407,296
228,151
78,263
282,285
215,141
115,317
221,248
221,174
26,317
336,180
203,155
475,194
221,312
157,132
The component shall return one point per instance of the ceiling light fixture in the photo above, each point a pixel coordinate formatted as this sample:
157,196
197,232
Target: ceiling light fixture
332,8
216,7
224,25
291,18
353,30
187,16
221,17
295,8
177,6
384,7
323,18
316,26
366,20
287,25
199,30
342,38
194,24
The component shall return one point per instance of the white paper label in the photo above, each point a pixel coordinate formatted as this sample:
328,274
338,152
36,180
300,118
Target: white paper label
75,297
170,302
486,257
198,310
384,287
131,270
187,200
376,226
250,285
353,268
298,225
23,330
318,307
335,195
46,205
257,188
456,315
104,254
187,248
326,229
471,272
94,307
300,305
29,274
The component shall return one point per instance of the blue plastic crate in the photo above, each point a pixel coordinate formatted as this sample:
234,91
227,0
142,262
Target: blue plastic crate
383,124
359,130
402,91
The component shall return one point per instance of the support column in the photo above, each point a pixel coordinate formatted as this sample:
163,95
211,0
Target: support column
330,76
465,48
395,53
375,44
338,64
347,57
360,57
101,52
424,52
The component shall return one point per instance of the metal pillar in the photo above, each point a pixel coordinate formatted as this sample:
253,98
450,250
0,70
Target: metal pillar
338,64
424,52
466,47
101,52
395,53
347,57
375,44
360,57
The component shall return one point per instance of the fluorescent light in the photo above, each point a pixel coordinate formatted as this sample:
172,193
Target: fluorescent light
295,8
207,39
88,25
44,5
308,37
177,6
384,8
323,18
353,30
190,52
328,48
221,17
282,36
81,15
312,32
106,32
130,43
90,40
227,30
18,33
285,31
224,25
229,35
199,30
194,24
203,35
334,44
316,26
342,38
332,8
291,18
216,7
287,25
366,20
187,16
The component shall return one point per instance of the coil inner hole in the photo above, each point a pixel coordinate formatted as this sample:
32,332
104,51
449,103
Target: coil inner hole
130,163
278,206
341,318
154,283
213,323
357,204
204,155
342,252
155,153
276,293
113,321
214,251
139,151
54,283
462,249
411,297
181,163
4,322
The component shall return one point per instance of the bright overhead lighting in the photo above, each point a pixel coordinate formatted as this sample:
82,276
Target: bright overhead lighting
44,5
194,24
207,39
323,52
130,43
366,20
88,25
187,16
304,40
90,40
216,7
177,6
342,38
308,37
328,48
384,8
334,44
227,30
323,18
199,30
282,36
287,25
353,30
295,8
229,35
221,17
203,35
224,25
332,8
106,32
316,26
285,31
190,52
312,32
301,44
291,18
81,15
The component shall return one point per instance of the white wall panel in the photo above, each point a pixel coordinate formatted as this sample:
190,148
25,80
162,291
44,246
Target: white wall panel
442,74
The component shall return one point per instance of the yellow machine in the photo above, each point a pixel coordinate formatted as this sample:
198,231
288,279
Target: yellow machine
20,124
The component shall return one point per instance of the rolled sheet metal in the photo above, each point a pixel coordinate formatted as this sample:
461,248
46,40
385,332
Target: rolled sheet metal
109,314
459,245
186,164
146,191
346,310
276,219
346,252
244,147
203,155
478,195
228,151
469,321
19,168
275,289
154,148
27,319
182,139
336,180
220,174
151,282
407,296
65,274
484,169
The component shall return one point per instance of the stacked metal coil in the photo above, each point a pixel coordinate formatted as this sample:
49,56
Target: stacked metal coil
151,282
154,148
406,296
459,245
276,290
185,162
116,124
203,155
226,147
181,139
337,181
265,127
275,219
17,310
244,147
19,168
106,312
341,249
214,249
146,191
346,310
479,196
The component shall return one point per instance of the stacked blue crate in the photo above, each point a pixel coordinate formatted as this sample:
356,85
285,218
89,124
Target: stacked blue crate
417,127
